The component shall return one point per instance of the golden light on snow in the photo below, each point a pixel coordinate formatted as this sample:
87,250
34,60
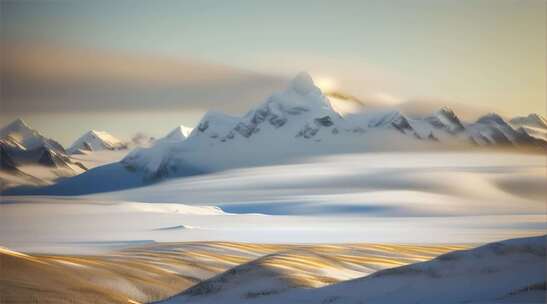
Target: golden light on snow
326,84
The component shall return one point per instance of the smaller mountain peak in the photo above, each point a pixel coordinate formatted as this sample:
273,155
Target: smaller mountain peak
97,140
21,132
179,133
538,118
446,109
532,120
491,118
102,135
302,83
19,123
95,132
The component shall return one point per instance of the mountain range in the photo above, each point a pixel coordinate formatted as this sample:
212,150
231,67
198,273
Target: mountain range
300,121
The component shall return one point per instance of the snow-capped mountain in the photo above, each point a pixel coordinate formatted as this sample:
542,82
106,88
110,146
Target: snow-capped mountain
302,111
534,124
96,141
19,134
492,129
447,120
31,158
300,114
532,120
301,121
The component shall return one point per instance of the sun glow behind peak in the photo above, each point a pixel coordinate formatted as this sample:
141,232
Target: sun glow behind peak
326,84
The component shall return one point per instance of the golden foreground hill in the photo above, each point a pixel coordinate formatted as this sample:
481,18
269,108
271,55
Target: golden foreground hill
157,271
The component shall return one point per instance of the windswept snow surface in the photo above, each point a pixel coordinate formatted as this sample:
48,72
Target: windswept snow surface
379,184
512,271
377,197
146,273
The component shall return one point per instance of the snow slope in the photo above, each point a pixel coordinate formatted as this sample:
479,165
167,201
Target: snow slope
388,184
93,159
503,272
382,198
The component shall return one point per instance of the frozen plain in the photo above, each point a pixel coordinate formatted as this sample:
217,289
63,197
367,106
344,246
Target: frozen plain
377,197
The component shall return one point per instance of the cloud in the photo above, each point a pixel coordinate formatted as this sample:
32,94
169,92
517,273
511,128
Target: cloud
424,106
46,78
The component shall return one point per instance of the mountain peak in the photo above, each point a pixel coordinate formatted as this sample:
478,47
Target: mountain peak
97,140
538,119
532,120
20,132
446,110
303,84
492,118
179,133
18,124
445,118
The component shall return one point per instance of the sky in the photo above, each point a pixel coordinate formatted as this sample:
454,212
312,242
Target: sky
148,66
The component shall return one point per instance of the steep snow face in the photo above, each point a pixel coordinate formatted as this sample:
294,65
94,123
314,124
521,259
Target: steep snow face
6,163
96,141
20,134
446,119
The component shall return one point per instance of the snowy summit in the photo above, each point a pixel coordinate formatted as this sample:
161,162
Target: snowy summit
19,133
179,133
96,141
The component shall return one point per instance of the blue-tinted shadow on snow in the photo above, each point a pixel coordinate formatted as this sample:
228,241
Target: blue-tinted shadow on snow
107,178
302,208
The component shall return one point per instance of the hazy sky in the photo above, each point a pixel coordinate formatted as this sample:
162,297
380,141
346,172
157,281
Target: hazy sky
129,66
